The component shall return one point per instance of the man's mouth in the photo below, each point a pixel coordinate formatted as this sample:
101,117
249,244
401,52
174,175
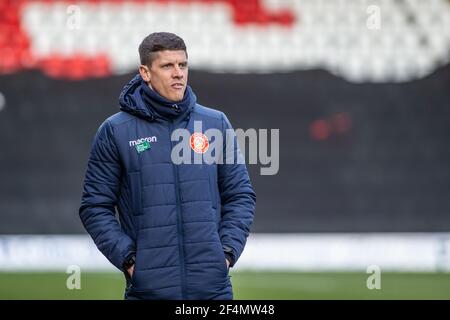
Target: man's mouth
178,86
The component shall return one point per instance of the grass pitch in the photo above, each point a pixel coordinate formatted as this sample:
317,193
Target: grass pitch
247,285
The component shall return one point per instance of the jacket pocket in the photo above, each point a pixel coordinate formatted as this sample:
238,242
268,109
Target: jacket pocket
130,280
225,268
135,190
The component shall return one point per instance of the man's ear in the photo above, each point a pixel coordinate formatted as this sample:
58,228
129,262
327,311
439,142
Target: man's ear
145,73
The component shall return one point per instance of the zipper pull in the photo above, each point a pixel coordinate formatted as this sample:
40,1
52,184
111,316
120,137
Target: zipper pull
176,107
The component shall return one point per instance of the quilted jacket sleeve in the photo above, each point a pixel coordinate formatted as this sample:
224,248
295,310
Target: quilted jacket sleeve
100,193
237,197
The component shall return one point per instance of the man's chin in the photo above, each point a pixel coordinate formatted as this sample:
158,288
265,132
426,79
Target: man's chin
177,98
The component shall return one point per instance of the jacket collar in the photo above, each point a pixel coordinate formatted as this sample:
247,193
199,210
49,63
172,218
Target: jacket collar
139,99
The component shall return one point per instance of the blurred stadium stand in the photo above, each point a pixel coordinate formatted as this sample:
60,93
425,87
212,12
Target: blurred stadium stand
364,114
89,38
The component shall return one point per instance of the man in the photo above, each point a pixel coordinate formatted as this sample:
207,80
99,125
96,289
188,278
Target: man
181,225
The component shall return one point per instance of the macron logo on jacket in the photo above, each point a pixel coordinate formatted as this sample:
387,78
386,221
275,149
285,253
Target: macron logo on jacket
134,143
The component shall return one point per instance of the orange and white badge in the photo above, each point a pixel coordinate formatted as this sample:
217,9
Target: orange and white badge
199,142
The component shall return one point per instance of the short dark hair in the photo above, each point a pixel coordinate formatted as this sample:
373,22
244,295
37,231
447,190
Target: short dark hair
159,41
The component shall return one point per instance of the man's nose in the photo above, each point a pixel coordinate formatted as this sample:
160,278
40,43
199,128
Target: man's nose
177,72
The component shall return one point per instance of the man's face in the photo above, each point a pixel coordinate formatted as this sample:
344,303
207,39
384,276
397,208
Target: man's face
168,74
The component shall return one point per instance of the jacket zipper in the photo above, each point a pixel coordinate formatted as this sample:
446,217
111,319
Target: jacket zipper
179,221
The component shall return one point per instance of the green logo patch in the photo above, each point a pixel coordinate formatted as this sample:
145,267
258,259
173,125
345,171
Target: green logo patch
143,146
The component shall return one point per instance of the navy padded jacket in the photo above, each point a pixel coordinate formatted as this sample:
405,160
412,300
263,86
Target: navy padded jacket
181,221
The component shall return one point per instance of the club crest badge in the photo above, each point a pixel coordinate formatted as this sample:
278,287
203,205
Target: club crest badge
199,142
